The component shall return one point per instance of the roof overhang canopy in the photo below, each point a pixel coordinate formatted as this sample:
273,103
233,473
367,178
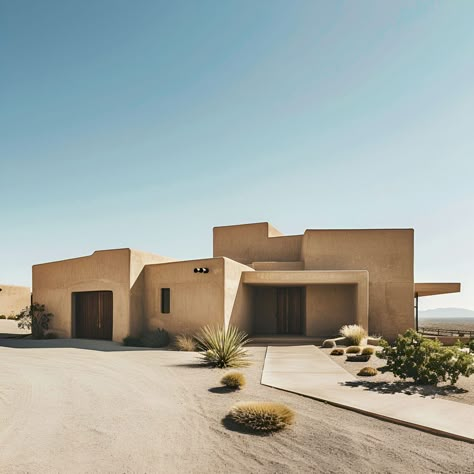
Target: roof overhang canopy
430,289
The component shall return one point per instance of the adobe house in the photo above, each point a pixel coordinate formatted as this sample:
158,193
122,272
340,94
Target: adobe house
13,299
260,280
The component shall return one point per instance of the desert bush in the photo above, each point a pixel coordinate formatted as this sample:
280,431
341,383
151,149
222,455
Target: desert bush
132,341
353,334
470,345
337,352
368,351
185,343
425,360
2,316
36,319
233,380
353,350
367,372
155,339
222,347
12,317
262,416
328,344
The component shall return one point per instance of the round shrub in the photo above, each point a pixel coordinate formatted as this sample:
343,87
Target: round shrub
353,350
368,351
328,344
337,352
262,416
233,380
367,372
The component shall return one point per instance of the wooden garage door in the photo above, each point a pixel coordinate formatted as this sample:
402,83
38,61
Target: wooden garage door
94,314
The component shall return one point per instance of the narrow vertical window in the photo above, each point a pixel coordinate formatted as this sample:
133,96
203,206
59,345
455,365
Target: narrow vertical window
165,300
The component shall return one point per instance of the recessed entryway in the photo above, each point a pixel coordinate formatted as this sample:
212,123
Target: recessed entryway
93,314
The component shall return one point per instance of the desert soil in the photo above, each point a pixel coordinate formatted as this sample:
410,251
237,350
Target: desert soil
77,406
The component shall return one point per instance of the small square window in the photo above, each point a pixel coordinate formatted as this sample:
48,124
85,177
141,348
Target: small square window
165,300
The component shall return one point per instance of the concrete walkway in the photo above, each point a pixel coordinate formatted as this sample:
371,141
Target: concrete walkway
306,370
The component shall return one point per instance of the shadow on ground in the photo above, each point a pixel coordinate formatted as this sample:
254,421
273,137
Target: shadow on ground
86,344
407,388
231,425
221,390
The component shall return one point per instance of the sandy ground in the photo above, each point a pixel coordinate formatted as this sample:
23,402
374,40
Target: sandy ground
462,392
72,406
8,326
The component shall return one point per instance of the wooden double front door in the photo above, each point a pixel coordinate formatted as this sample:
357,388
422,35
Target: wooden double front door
93,314
290,310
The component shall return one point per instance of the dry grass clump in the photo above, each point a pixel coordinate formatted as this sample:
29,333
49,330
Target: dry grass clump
337,352
185,343
233,380
367,372
353,350
262,416
368,351
353,334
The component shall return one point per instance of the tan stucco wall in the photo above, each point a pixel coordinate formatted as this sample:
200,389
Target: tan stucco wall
197,299
138,260
388,257
238,298
256,243
13,299
329,307
54,283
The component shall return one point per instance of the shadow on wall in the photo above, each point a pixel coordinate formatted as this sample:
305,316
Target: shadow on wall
86,344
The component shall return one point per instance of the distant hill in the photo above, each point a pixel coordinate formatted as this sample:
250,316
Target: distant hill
447,313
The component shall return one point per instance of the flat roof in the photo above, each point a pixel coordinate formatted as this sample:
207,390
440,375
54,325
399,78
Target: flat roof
430,289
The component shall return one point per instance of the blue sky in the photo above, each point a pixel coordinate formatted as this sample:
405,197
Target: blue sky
144,124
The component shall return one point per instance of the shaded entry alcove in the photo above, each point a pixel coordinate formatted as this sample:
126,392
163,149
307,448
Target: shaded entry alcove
93,314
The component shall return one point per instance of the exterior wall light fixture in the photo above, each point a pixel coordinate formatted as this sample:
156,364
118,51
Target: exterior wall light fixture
201,270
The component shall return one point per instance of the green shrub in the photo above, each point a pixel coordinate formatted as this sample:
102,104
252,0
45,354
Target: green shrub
262,416
35,319
157,338
367,372
425,360
222,347
233,380
353,350
368,351
353,334
337,352
185,343
132,341
329,344
470,345
2,316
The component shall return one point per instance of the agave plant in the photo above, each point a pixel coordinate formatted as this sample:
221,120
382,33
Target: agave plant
222,347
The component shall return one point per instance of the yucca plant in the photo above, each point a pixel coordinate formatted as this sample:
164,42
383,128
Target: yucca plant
262,416
185,343
353,334
222,347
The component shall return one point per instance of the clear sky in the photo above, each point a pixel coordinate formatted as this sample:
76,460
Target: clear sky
144,124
